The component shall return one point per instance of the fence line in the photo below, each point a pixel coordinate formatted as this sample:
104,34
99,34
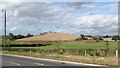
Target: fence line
82,52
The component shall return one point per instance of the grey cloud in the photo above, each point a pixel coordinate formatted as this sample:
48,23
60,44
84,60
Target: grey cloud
34,9
99,24
34,18
41,11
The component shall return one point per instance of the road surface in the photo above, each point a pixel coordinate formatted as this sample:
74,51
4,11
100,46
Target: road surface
9,61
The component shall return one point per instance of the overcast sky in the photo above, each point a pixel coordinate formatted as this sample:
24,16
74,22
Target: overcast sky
94,18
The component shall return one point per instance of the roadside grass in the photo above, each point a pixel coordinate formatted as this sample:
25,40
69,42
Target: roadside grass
109,61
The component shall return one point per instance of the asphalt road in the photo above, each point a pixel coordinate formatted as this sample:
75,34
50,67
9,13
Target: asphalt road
13,61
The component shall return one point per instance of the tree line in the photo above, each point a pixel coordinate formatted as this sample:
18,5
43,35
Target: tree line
11,36
97,38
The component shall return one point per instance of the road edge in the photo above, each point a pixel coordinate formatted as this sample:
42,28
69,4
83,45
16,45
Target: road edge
28,57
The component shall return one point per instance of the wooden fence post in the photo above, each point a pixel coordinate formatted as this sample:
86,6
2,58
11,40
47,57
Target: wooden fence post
30,51
116,53
85,53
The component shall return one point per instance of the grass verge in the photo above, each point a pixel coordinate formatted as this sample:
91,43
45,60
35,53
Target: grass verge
110,61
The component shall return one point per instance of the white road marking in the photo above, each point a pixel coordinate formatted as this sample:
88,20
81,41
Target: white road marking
14,63
38,64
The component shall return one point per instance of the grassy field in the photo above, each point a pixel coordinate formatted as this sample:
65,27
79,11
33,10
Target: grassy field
110,61
82,45
74,45
79,45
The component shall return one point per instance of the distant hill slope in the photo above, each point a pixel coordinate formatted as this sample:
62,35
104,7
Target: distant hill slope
51,37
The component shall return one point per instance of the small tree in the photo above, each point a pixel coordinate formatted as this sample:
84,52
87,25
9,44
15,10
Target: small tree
78,39
94,38
97,40
107,36
83,37
11,36
100,38
20,36
29,35
115,37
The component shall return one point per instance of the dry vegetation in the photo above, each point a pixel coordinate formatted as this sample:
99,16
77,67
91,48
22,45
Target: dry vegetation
51,37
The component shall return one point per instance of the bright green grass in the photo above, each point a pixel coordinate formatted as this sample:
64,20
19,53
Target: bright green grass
78,45
8,41
83,45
